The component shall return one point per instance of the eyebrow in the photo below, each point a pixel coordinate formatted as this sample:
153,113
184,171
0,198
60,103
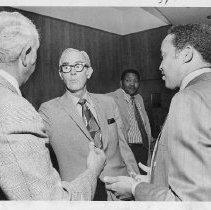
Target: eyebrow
67,63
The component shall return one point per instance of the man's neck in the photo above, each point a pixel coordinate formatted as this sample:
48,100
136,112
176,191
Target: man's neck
12,80
78,94
11,70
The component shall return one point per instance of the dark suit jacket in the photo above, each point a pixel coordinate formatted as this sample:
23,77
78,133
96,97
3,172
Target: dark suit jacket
70,138
181,161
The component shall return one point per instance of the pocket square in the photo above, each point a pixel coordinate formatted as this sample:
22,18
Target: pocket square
110,121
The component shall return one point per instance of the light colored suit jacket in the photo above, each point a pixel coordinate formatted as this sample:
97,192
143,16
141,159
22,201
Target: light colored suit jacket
70,138
181,162
26,172
123,106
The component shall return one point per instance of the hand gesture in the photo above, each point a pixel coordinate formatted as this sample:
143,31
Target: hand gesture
142,178
121,185
96,159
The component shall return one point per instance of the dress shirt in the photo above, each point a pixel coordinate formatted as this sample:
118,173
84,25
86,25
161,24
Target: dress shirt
134,134
89,103
11,80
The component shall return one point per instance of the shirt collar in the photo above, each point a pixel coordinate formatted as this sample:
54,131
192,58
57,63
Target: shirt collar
192,76
126,96
11,80
86,96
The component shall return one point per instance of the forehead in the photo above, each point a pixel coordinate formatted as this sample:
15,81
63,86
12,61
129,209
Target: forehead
73,57
167,43
131,76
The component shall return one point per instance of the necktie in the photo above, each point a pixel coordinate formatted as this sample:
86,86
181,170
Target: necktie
91,123
140,124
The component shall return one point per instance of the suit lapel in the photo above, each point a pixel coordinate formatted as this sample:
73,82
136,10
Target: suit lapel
101,118
123,106
68,106
161,135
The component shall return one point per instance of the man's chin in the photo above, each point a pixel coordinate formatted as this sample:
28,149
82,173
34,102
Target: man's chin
132,93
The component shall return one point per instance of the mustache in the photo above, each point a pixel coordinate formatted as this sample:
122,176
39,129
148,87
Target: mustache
131,87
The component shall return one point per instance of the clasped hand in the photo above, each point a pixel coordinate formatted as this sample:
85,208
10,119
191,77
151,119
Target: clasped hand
96,159
122,185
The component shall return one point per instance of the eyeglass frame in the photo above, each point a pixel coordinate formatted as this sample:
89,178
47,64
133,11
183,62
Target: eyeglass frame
73,66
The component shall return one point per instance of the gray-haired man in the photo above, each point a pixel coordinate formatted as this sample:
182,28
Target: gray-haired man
78,117
26,172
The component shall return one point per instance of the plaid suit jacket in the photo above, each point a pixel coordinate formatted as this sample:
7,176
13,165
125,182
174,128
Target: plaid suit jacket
26,172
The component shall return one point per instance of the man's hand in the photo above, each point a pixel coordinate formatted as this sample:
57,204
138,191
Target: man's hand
142,178
122,185
96,159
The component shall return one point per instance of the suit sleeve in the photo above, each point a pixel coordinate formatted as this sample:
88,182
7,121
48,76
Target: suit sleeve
83,187
189,125
125,150
25,168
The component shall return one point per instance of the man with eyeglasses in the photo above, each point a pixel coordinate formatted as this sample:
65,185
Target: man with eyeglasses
78,117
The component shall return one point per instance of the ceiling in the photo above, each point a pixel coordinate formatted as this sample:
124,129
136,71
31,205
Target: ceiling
124,20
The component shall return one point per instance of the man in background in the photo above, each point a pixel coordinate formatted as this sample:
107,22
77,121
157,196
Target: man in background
181,168
78,117
26,172
134,116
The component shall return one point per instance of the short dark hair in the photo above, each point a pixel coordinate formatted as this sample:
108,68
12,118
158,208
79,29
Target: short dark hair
195,35
133,71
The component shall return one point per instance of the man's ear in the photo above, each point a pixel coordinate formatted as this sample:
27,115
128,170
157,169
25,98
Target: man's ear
60,74
187,54
89,72
120,83
27,56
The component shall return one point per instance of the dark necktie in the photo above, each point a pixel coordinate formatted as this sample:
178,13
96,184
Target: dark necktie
91,124
94,130
140,124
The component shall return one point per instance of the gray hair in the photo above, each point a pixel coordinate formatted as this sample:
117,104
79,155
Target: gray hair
70,50
15,32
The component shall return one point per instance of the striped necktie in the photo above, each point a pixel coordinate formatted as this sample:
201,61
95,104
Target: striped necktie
140,124
91,124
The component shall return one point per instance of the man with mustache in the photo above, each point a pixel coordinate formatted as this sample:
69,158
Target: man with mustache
134,116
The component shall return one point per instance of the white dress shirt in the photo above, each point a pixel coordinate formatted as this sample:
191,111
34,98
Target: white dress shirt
89,103
134,134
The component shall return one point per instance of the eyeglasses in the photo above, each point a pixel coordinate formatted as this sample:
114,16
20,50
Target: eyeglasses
66,68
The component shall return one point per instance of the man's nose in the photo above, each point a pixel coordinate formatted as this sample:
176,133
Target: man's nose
73,71
160,67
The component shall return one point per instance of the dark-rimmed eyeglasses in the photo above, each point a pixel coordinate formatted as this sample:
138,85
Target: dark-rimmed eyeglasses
78,67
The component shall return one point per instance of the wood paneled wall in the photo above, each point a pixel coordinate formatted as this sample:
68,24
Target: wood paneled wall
57,35
142,52
110,54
